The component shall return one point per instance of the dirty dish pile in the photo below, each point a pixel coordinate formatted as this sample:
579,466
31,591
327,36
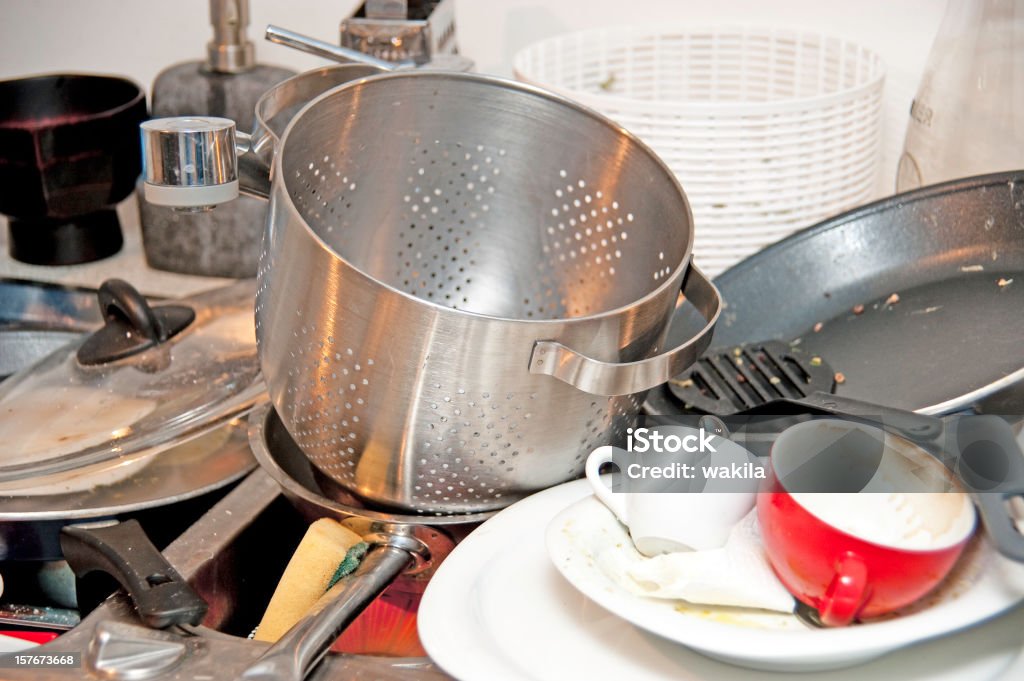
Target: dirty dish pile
499,609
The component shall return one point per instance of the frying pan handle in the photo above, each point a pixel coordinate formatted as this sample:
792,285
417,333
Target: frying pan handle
161,596
299,650
611,378
990,464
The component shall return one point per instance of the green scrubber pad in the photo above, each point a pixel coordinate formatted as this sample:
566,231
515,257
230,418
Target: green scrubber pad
351,562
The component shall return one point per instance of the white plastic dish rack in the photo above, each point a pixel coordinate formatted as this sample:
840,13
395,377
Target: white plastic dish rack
768,129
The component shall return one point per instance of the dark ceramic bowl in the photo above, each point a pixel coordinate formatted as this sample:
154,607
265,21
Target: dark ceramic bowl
69,151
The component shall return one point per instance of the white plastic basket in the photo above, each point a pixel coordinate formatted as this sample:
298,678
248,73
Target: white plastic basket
768,129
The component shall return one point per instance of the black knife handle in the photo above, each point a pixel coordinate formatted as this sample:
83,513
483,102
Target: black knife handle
162,597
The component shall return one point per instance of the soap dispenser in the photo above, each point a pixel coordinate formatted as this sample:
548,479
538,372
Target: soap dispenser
224,242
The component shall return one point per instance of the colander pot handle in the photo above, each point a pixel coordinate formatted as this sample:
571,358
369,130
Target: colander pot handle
193,162
611,378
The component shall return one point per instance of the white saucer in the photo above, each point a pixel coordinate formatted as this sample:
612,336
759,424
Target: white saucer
498,610
982,585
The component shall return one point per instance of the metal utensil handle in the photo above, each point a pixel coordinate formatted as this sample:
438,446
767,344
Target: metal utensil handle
298,651
192,161
320,48
610,378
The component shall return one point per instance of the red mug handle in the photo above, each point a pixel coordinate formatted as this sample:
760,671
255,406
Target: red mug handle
846,594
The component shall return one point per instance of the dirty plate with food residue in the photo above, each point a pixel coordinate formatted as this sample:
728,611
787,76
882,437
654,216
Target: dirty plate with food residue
498,610
593,552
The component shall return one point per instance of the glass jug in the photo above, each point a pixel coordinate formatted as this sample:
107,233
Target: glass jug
968,115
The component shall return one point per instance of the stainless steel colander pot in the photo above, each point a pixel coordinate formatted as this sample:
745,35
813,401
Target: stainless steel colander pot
465,287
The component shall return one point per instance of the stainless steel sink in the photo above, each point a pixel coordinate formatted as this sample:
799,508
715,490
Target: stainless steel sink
233,556
37,318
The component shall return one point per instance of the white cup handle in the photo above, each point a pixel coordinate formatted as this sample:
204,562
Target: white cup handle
615,502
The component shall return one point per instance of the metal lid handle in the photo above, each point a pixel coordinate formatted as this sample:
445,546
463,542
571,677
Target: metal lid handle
611,378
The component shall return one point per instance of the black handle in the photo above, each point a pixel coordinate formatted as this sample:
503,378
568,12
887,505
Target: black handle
990,464
161,596
981,451
921,429
131,324
121,302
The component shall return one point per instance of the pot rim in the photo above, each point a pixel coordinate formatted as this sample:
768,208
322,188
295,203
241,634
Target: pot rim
672,281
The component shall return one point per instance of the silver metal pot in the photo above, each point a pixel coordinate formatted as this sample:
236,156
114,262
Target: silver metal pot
441,248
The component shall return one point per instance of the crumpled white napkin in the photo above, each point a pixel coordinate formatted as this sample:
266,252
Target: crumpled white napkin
737,574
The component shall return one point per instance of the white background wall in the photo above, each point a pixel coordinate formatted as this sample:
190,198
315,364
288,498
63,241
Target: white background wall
140,37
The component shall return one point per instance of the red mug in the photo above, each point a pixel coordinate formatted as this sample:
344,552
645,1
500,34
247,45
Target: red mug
857,522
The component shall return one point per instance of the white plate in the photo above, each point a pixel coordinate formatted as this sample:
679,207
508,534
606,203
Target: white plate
983,584
498,610
11,644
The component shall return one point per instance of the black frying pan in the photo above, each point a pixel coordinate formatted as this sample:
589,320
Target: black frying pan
955,339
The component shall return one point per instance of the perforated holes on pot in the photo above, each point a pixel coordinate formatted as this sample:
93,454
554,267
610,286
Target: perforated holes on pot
525,230
446,216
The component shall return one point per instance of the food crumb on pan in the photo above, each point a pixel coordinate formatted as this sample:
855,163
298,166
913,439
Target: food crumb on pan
893,299
1003,282
972,268
818,327
840,378
858,309
815,361
927,310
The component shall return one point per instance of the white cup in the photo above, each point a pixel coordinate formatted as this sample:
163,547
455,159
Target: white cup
665,522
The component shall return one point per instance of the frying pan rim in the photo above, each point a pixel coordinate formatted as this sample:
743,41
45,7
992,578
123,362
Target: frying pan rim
946,189
941,189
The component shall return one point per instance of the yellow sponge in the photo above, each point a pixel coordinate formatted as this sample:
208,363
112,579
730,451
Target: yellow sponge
306,578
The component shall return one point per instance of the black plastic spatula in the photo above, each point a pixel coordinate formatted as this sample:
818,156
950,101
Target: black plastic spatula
725,381
770,378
